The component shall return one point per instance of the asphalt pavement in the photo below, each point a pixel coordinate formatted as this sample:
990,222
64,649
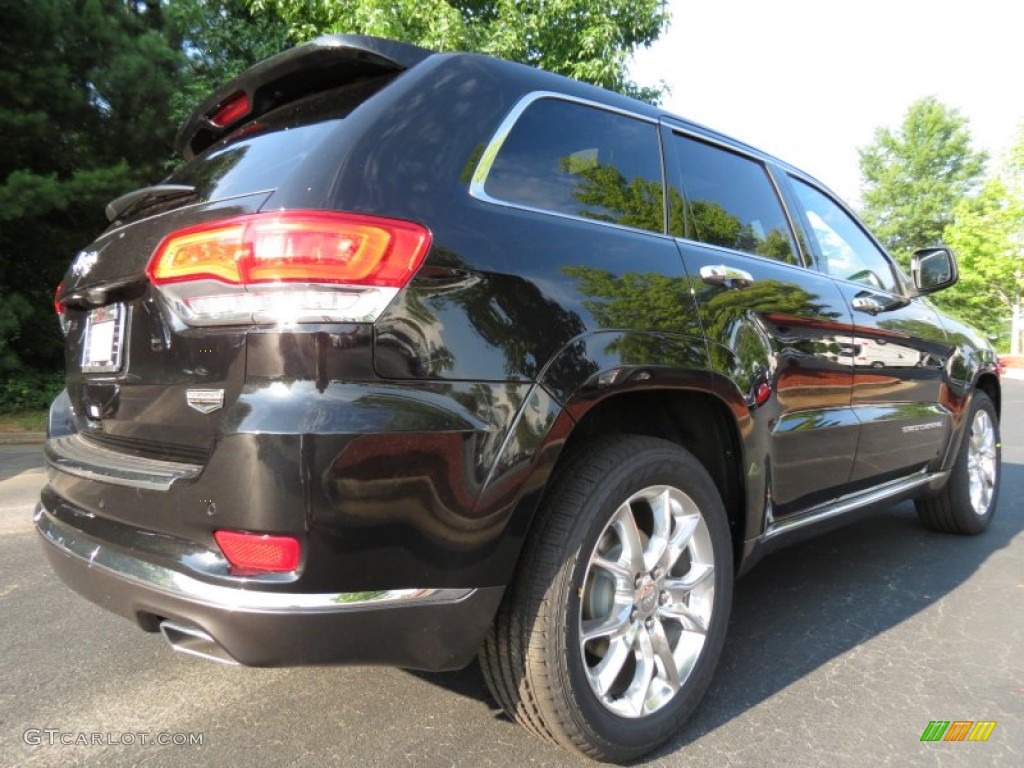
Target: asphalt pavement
840,652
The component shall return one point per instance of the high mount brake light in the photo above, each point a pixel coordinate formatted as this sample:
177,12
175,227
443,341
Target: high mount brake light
237,106
299,266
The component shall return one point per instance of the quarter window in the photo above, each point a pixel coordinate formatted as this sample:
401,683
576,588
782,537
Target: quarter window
575,159
846,251
732,202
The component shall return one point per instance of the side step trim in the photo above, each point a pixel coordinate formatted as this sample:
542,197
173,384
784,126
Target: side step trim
854,501
79,456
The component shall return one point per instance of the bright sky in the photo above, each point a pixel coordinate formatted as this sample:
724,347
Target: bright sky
809,80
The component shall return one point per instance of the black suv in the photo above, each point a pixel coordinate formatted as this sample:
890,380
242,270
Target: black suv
420,357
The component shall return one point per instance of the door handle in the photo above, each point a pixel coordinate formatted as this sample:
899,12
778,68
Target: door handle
868,304
729,277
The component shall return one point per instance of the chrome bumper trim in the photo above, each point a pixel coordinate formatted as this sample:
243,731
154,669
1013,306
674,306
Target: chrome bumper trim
79,456
157,577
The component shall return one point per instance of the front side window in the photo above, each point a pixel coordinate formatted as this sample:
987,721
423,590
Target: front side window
732,202
846,251
575,159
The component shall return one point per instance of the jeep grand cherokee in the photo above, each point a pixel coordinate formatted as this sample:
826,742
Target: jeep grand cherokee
424,357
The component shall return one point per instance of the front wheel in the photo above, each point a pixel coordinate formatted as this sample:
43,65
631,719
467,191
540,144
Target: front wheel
967,502
610,635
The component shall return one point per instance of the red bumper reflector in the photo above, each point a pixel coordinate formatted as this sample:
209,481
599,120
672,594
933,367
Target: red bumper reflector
258,551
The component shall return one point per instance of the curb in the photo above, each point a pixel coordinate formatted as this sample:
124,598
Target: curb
22,438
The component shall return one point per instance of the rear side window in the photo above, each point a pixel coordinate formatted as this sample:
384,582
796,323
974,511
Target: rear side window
575,159
732,202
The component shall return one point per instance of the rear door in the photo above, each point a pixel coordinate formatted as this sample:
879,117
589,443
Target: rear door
899,347
775,328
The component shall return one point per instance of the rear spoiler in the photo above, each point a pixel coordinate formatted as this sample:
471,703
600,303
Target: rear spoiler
323,63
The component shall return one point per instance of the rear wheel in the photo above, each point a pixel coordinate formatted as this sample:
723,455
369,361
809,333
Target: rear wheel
968,500
609,637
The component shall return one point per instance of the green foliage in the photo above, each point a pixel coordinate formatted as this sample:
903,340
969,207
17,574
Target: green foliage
632,203
591,40
86,87
219,39
28,390
915,177
987,233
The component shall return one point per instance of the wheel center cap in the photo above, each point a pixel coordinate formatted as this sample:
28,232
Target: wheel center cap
647,597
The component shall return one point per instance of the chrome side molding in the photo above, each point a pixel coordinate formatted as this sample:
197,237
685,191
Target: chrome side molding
852,502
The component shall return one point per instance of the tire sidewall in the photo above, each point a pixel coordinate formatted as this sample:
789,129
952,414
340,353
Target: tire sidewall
970,520
634,736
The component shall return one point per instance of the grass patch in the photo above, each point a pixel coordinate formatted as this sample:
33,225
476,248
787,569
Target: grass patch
23,421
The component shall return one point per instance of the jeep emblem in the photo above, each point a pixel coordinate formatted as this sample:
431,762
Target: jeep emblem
205,400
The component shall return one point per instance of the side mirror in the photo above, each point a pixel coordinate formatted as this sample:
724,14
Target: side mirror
933,269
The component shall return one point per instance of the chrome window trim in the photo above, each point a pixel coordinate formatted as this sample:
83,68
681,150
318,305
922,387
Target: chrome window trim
490,153
747,255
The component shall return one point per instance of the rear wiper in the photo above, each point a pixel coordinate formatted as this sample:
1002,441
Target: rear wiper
119,206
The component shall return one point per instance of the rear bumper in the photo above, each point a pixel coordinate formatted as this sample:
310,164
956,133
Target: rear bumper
431,629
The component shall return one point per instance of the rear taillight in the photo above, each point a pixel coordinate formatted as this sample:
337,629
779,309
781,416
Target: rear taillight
259,552
59,308
298,266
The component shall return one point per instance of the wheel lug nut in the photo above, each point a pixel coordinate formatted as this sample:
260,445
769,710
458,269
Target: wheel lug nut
663,598
649,623
634,615
657,573
639,581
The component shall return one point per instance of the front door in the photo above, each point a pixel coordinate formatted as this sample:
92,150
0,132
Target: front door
898,347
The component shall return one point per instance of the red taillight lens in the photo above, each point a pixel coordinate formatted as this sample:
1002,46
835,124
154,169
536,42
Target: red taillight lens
235,107
58,307
293,246
259,552
287,267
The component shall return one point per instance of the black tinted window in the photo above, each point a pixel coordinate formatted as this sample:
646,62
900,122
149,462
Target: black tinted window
570,158
732,202
845,249
251,165
261,154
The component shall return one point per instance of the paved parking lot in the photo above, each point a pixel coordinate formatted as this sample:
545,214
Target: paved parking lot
840,652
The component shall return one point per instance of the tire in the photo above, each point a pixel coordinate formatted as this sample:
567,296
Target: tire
966,503
591,565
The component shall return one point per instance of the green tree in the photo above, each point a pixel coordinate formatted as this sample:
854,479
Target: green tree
219,39
85,87
915,177
988,235
591,40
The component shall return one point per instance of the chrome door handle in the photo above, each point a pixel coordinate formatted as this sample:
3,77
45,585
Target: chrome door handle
729,277
868,304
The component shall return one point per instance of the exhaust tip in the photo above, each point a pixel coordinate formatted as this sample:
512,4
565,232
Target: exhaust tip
195,642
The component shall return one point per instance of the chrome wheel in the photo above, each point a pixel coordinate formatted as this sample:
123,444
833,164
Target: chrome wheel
647,599
982,462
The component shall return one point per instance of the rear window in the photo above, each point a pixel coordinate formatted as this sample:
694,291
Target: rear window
252,164
259,154
570,158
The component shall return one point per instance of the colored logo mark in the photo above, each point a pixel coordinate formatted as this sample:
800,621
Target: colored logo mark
958,730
